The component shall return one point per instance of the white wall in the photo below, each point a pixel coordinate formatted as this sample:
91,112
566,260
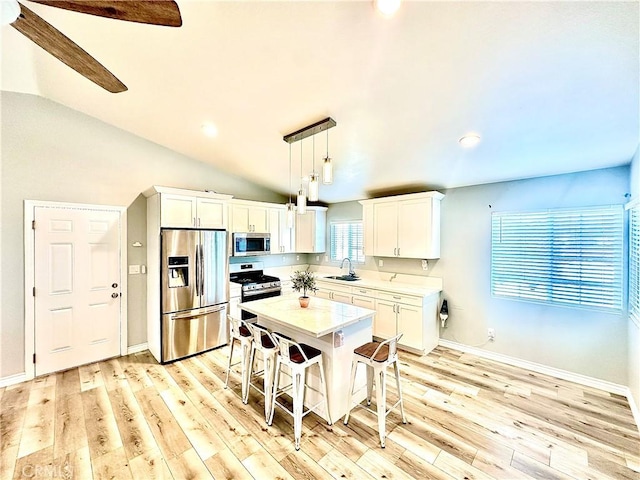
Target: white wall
633,333
580,341
50,152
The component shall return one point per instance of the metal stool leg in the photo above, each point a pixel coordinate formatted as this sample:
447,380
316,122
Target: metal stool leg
298,379
381,400
226,381
370,375
396,368
354,368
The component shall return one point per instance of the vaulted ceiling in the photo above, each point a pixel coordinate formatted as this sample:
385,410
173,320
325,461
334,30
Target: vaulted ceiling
551,87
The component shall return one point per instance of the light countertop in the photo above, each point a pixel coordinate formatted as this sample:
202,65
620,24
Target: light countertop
386,285
320,318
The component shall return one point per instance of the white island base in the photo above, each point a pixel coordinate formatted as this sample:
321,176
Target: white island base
335,329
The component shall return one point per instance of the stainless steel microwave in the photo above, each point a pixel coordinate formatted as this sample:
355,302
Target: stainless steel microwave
250,243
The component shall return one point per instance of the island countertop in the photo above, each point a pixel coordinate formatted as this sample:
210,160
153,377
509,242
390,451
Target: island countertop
320,318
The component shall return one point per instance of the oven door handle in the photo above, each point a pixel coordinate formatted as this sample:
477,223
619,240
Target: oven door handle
255,293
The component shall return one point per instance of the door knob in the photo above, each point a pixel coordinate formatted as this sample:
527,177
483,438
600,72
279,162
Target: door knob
115,295
114,285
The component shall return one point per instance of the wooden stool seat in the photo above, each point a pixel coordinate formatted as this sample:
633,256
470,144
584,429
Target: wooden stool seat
377,356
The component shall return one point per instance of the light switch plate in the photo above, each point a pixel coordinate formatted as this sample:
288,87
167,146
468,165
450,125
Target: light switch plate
134,269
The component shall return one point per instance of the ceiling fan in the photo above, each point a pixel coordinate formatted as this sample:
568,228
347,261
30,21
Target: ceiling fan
154,12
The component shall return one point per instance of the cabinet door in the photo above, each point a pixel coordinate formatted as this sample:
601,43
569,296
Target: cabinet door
259,219
364,302
384,322
323,293
305,232
341,297
414,228
287,235
210,213
385,231
239,218
368,230
410,325
274,230
177,210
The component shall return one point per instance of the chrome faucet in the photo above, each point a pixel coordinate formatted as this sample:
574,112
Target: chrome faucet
347,259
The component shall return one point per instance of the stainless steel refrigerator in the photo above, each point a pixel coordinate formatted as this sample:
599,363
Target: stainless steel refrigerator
195,291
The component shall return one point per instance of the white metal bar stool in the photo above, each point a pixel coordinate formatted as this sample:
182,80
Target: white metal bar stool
263,342
299,357
377,356
240,333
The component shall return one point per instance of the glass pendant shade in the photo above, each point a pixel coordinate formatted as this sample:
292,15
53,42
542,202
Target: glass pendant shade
327,171
290,214
302,202
313,187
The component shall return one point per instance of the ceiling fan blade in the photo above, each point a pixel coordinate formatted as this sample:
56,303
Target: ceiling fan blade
53,41
154,12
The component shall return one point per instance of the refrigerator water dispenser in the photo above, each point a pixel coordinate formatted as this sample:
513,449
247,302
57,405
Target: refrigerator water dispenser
178,271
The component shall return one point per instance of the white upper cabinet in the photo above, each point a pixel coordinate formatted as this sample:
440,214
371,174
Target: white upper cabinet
311,228
282,237
188,211
406,226
249,217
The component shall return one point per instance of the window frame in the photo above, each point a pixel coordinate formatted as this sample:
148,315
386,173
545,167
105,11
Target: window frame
359,259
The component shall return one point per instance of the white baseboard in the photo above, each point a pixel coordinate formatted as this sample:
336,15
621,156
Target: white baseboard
537,367
12,379
141,347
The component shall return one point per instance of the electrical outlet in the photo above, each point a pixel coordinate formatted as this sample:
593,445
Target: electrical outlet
134,269
491,333
297,257
425,264
317,258
380,263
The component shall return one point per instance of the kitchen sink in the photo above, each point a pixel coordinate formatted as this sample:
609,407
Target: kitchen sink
346,278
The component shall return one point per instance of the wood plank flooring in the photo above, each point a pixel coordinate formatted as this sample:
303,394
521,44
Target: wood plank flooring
468,418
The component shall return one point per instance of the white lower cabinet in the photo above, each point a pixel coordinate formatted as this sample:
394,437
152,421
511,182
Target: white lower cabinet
413,316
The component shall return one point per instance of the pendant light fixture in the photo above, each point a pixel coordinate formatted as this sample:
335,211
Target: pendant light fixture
302,198
290,207
313,178
327,167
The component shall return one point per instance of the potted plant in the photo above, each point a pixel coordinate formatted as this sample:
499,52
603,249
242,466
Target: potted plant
303,281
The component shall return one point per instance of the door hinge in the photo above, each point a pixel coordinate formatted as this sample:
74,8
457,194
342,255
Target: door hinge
34,358
33,224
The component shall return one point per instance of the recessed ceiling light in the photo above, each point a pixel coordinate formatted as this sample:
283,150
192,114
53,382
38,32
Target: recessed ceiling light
209,129
469,140
387,7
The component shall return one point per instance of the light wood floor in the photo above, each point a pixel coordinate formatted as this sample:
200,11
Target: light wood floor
468,418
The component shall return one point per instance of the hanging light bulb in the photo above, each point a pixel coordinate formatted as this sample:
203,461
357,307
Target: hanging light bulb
327,167
302,198
290,208
313,178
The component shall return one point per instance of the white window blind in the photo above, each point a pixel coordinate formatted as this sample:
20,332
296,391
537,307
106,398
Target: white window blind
346,241
634,263
562,257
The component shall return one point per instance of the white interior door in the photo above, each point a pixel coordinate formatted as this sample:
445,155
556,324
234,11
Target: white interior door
77,277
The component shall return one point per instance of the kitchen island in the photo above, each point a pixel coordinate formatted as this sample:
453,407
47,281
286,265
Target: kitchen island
334,328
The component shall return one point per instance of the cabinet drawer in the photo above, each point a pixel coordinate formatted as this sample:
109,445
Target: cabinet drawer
398,298
363,292
334,287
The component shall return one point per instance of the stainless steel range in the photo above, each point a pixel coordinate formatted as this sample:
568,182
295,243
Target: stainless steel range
255,284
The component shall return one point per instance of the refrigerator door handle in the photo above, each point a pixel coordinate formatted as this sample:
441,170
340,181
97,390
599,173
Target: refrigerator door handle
201,270
198,273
